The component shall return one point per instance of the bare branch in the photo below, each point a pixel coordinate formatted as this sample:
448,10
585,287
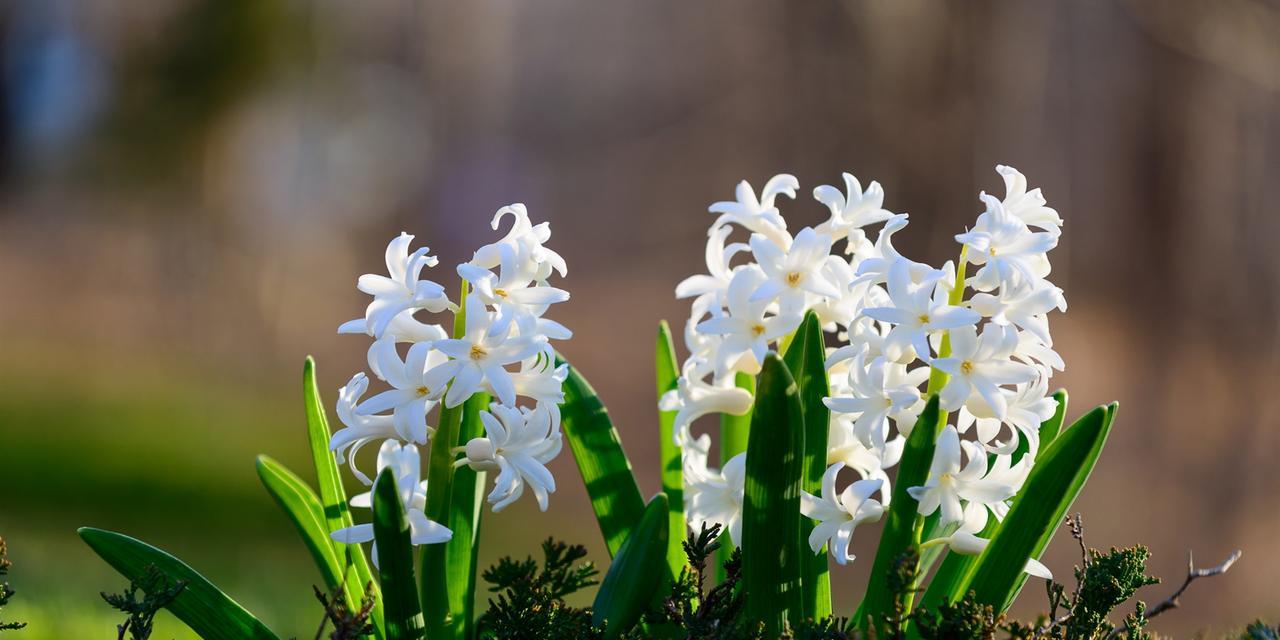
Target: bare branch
1192,574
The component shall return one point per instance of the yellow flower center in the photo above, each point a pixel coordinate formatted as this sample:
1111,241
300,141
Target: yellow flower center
966,367
423,391
757,330
478,353
924,318
501,293
793,278
992,252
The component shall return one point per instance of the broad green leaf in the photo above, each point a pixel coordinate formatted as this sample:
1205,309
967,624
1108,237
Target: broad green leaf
1038,509
636,574
668,373
900,533
302,506
773,551
395,561
606,472
201,606
464,521
956,566
333,499
806,359
443,621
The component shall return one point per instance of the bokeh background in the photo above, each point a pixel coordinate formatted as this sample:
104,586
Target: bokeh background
188,191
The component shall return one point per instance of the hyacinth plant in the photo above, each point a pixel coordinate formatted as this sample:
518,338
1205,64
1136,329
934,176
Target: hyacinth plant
830,360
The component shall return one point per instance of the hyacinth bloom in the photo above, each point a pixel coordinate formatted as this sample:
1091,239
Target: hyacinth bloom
479,358
405,464
838,514
518,443
401,289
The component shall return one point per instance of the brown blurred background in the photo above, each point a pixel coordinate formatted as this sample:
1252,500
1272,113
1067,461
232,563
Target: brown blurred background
189,190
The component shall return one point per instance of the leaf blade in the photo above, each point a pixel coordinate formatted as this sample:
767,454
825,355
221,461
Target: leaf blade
1038,509
806,359
772,548
402,610
303,508
201,605
667,373
605,469
333,498
636,573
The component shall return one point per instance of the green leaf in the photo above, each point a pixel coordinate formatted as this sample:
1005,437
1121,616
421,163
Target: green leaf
437,582
900,531
1038,509
668,374
403,614
636,574
467,506
1050,428
333,499
773,551
806,359
734,433
302,506
956,567
201,606
606,472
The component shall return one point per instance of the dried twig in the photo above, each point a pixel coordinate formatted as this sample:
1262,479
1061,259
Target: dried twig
347,624
1193,573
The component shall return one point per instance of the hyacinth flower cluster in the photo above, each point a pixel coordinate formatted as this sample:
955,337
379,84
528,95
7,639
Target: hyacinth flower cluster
856,390
505,352
899,324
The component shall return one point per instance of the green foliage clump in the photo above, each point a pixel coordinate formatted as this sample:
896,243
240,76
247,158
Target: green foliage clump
693,611
963,620
158,591
530,601
347,624
1260,631
5,591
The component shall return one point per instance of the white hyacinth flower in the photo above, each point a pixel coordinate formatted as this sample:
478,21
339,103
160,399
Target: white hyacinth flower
745,330
870,463
873,398
838,514
401,289
757,214
358,429
917,312
1025,306
412,397
518,443
793,274
1009,253
1029,405
949,482
405,464
714,496
851,210
1027,205
965,541
693,398
479,357
719,273
981,364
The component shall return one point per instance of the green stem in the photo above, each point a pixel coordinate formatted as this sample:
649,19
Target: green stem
434,584
734,431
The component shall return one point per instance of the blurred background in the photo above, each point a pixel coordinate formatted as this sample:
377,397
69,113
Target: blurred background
189,189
